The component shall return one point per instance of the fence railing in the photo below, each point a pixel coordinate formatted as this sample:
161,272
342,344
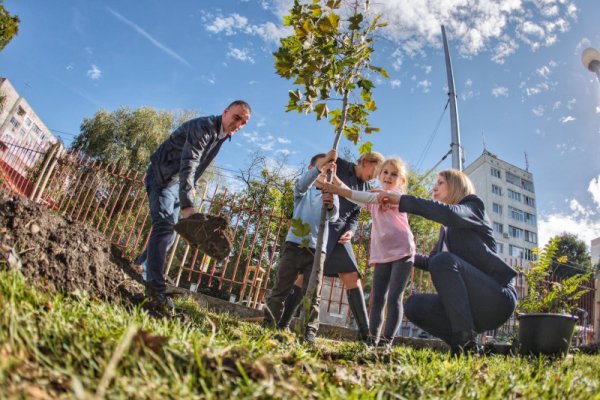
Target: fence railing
114,201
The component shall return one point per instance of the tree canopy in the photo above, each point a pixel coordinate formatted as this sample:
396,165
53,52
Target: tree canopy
127,137
9,26
571,257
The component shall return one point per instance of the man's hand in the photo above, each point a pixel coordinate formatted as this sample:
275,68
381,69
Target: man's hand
346,237
186,212
327,200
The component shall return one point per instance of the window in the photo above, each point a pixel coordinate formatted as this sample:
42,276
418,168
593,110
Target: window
15,124
512,178
515,251
497,190
530,237
20,111
36,129
527,185
498,227
515,232
495,172
530,219
514,195
530,201
497,208
27,122
516,214
500,248
529,255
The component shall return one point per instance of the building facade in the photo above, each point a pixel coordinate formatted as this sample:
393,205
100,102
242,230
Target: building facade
22,132
509,197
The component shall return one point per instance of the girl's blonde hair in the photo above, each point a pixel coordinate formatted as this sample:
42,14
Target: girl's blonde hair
399,166
459,185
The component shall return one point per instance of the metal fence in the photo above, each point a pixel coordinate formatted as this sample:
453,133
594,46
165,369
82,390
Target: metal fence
114,201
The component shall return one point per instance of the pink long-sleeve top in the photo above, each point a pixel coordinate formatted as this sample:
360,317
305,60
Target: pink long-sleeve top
391,237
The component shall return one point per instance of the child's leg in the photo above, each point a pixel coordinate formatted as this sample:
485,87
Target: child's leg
286,274
312,317
400,274
381,278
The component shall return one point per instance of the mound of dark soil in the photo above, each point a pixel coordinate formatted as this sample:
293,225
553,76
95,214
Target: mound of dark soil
59,254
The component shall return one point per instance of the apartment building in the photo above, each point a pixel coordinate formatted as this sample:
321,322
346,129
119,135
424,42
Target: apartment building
20,125
509,196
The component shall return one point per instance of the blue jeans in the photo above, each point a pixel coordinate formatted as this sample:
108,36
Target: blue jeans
164,212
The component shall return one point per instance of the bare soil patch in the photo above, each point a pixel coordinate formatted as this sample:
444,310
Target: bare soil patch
62,255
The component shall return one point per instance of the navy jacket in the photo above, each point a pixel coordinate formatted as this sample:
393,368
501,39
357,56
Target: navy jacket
349,211
469,234
186,154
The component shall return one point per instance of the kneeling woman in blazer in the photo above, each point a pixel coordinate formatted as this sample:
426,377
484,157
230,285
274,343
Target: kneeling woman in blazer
474,293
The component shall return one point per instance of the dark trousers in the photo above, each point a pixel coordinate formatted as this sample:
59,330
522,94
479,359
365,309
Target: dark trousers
389,281
164,211
294,260
466,299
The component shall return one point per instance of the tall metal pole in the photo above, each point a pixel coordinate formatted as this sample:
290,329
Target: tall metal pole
457,156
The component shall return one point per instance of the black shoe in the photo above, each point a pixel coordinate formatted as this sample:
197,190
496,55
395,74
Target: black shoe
464,342
310,336
384,346
161,306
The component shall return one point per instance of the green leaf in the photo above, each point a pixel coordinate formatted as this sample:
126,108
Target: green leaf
355,21
365,148
321,110
299,228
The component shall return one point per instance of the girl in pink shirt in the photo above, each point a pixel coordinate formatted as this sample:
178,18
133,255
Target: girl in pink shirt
392,250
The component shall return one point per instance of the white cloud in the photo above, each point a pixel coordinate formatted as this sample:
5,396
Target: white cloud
151,39
538,111
236,23
283,152
594,189
582,221
427,69
228,25
500,91
597,110
94,73
283,140
240,54
571,103
565,119
395,83
425,85
69,67
475,26
556,105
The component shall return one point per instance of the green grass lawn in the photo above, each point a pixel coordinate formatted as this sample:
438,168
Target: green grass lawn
74,347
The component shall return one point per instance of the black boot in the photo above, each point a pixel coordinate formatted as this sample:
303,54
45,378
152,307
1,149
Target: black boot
356,300
463,342
289,307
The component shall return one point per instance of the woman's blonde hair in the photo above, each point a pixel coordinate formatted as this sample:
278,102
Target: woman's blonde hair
399,166
459,185
372,157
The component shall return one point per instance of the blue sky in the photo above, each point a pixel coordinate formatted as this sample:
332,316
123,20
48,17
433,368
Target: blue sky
520,82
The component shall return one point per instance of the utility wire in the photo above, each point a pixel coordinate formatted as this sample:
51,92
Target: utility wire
431,137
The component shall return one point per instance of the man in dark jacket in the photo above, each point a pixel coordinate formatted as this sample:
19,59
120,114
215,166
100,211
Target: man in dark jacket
174,169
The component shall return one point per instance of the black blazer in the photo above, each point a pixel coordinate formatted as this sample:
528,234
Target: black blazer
469,234
349,212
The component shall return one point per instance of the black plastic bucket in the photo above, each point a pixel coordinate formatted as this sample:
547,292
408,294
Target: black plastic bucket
548,334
